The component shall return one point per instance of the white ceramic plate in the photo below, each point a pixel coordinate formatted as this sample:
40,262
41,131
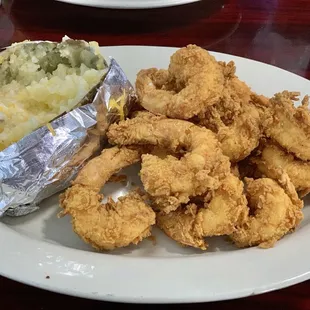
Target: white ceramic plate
40,245
129,4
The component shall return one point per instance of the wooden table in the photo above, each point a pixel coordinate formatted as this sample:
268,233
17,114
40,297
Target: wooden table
273,31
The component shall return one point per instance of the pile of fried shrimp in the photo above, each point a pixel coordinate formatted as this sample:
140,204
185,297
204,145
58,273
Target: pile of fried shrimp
216,159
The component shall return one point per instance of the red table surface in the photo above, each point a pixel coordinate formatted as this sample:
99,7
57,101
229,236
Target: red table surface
272,31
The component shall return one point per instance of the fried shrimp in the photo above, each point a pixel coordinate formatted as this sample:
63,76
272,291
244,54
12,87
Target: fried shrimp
113,224
290,127
96,172
273,157
275,211
172,181
194,80
242,136
235,120
197,87
181,226
219,216
226,210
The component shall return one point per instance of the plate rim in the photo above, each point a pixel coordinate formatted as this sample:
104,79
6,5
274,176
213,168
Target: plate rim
139,4
54,268
50,250
214,53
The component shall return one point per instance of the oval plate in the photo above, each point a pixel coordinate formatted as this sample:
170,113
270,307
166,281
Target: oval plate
43,251
129,4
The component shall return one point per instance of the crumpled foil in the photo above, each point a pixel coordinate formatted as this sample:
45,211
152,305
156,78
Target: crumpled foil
32,169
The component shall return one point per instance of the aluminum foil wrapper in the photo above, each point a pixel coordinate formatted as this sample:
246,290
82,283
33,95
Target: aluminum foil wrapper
45,161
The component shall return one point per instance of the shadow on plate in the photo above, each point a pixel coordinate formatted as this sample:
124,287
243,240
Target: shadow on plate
50,14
